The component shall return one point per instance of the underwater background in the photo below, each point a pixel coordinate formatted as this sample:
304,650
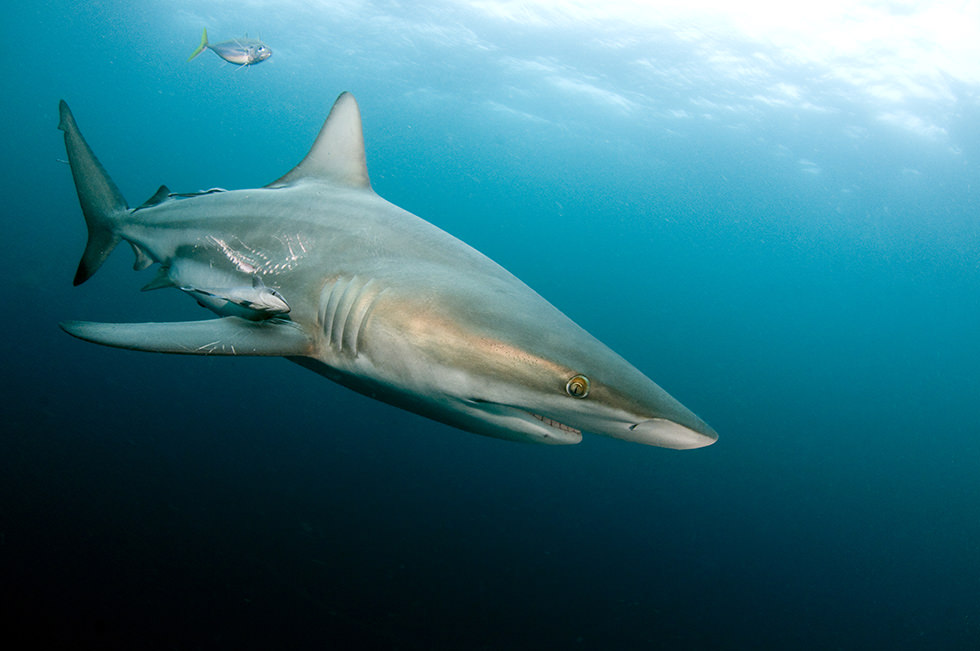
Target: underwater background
771,209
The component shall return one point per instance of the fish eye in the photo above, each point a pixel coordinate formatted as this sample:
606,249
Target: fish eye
578,386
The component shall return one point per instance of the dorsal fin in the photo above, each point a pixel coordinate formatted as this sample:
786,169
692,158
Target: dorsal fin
161,195
337,154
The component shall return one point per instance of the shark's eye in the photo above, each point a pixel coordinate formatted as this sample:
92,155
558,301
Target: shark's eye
578,386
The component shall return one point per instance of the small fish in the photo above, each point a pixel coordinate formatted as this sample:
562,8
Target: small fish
254,303
241,51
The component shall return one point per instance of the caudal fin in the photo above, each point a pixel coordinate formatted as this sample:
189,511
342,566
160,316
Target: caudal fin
200,48
102,203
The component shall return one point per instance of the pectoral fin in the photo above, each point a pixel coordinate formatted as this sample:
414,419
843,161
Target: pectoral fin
224,336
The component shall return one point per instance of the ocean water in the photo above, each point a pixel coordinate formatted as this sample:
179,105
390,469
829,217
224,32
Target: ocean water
771,211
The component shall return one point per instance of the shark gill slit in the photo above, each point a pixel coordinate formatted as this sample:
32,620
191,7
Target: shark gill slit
362,303
328,302
345,304
367,316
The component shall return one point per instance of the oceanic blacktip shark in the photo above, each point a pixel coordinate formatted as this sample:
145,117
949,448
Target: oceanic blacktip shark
317,268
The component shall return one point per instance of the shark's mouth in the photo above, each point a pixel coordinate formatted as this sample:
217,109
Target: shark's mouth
554,423
559,432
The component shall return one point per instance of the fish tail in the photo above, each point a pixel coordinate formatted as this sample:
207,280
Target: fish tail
200,48
102,204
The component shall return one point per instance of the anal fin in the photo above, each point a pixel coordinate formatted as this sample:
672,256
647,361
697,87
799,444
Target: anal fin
224,336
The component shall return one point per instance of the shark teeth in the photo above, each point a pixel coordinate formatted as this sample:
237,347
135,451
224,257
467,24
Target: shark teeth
554,423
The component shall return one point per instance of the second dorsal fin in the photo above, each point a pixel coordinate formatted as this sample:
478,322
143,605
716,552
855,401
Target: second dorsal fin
161,195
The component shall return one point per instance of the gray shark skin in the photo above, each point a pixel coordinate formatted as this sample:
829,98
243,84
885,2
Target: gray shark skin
317,268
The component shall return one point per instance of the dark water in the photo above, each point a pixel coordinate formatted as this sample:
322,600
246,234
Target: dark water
801,267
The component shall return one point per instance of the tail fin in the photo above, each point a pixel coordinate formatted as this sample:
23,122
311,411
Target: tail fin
102,203
200,48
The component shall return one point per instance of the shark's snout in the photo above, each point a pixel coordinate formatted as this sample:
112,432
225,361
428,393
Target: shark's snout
668,434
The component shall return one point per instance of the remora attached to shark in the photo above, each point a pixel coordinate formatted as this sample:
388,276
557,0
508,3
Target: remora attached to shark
317,268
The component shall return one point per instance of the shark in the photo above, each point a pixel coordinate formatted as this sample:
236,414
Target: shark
317,268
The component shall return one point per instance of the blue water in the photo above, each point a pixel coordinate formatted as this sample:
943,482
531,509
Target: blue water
788,243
